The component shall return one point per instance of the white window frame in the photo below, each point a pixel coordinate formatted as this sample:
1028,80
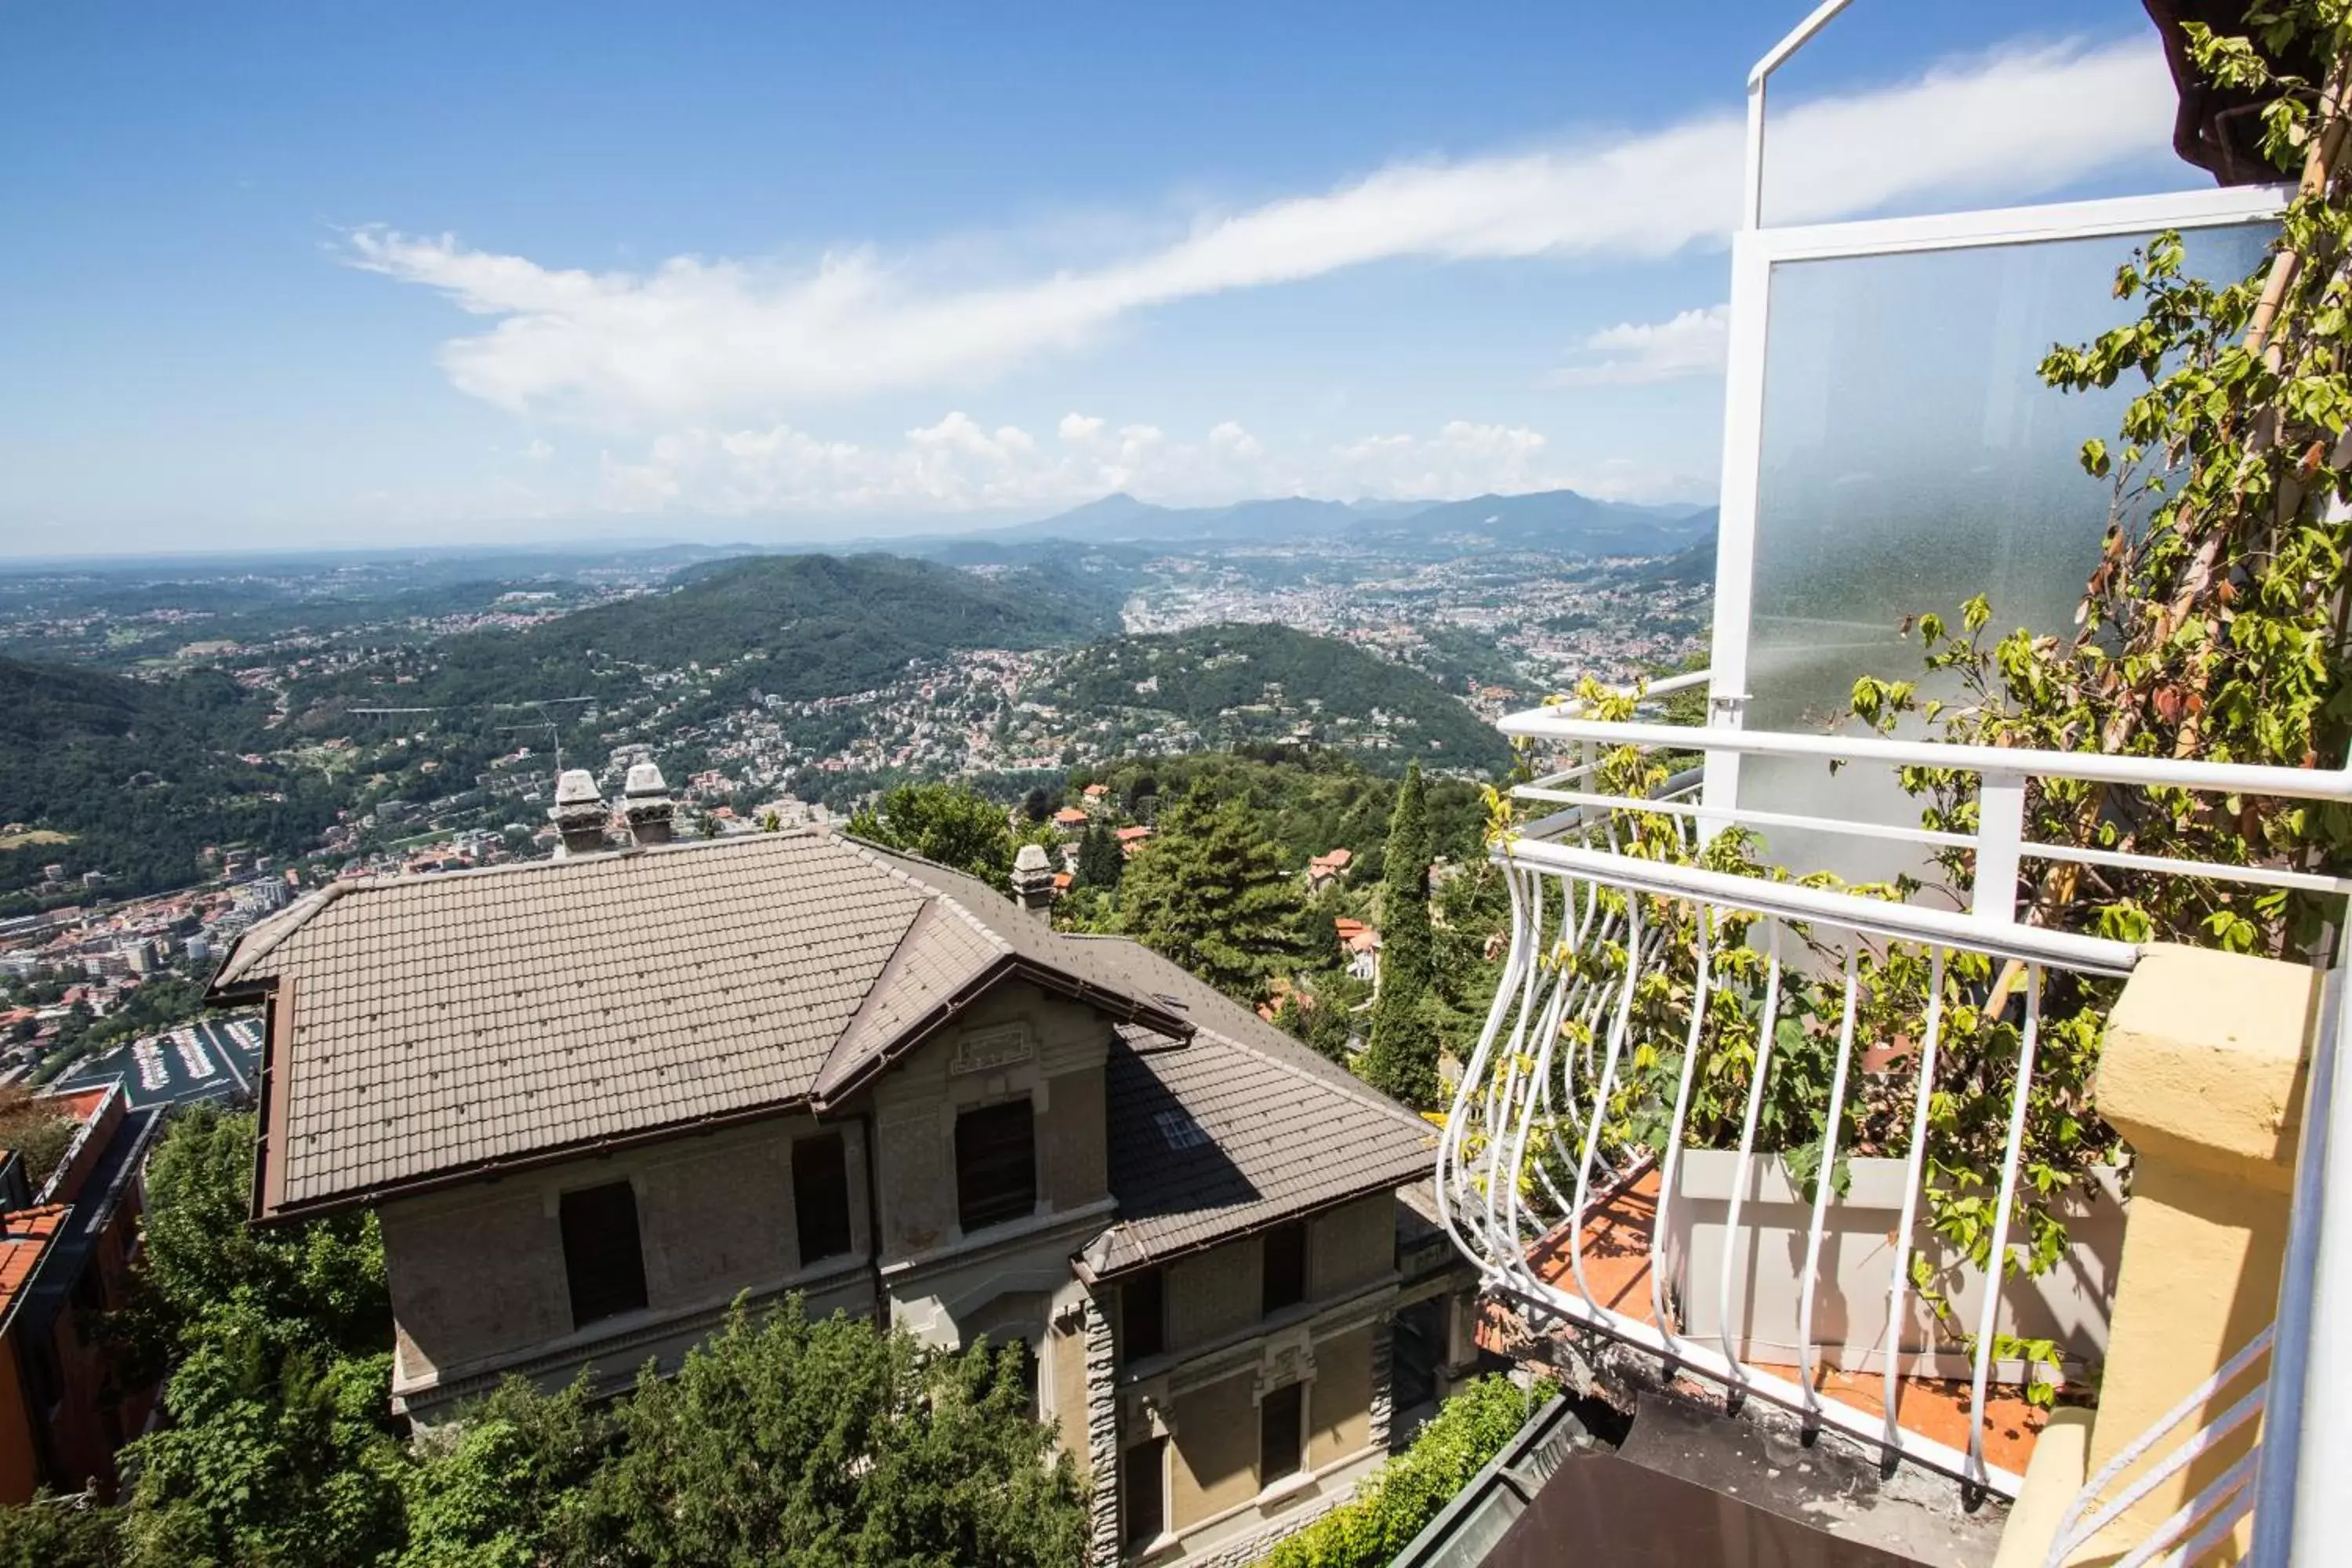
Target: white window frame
1754,253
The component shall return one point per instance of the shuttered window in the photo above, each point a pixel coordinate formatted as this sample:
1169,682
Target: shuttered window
996,1164
821,1196
1143,1315
1280,1417
602,1262
1286,1266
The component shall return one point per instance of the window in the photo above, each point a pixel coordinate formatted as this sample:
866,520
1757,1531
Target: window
1143,1315
602,1260
996,1164
821,1196
1143,1487
1285,1267
1281,1417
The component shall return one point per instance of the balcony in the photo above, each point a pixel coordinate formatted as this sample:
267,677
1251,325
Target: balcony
1678,1047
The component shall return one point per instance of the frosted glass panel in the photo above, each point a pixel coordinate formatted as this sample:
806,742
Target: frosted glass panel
1911,458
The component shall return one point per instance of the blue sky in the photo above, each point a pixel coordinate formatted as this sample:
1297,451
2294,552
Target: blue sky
280,274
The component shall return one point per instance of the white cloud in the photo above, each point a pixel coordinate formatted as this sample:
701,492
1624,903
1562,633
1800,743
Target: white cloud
695,340
960,466
539,451
1637,353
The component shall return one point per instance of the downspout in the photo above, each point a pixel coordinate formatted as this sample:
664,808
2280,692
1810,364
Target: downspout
868,1130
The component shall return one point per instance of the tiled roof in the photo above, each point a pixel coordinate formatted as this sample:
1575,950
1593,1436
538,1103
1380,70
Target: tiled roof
1241,1128
24,1235
434,1025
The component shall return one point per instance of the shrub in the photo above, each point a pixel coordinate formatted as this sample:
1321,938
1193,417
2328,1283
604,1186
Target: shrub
1396,1503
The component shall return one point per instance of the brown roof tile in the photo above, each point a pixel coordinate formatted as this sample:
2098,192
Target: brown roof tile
446,1023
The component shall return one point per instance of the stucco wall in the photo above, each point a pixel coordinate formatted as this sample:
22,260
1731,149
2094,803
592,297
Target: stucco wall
1214,1292
1216,1467
477,1273
1351,1246
1339,1405
1016,1041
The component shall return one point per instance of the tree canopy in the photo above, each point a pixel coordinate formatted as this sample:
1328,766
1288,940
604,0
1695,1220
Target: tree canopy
1209,891
944,823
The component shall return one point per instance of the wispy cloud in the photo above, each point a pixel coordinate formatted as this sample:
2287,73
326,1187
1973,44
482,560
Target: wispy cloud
961,465
1635,353
696,340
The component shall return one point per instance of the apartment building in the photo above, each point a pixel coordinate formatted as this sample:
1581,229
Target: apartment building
594,1100
67,1403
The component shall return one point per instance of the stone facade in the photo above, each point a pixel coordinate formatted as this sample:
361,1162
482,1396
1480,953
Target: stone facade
479,1282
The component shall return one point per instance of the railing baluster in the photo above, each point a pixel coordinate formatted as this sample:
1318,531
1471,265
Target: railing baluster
1914,1169
1700,942
1989,1320
1765,1025
1449,1142
1822,1181
1601,1095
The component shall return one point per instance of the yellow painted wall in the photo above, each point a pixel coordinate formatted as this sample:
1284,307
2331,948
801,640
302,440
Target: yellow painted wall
1216,1450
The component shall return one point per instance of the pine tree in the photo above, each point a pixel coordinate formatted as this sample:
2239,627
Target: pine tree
1101,862
1208,890
1402,1059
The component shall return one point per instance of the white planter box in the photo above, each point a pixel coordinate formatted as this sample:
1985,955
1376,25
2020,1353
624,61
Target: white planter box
2069,1304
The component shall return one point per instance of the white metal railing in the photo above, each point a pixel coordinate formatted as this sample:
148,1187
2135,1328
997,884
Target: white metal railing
1527,1162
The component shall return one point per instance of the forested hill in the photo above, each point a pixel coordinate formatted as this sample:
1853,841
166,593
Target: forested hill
132,779
1235,684
816,626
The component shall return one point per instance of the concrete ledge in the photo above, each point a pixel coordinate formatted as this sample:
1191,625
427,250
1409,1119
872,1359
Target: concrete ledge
2204,1055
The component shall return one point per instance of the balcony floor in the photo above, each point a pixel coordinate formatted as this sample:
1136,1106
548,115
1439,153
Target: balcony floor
1617,1272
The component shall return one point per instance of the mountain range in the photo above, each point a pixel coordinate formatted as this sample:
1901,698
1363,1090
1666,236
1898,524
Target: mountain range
1562,523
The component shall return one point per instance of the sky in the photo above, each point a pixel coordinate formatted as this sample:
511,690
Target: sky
275,275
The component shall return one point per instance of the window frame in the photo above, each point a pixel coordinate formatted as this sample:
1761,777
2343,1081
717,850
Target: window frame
991,1209
804,1157
605,1302
1130,1535
1295,1394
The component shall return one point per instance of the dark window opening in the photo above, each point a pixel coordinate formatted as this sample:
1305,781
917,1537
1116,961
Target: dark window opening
821,1196
1143,1488
1279,1418
1420,1351
1032,1376
1286,1266
88,1301
996,1164
602,1262
1143,1315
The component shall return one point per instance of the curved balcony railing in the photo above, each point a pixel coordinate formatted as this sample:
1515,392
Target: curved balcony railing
1620,960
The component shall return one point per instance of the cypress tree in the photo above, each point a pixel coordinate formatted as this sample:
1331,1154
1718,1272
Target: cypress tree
1401,1058
1101,862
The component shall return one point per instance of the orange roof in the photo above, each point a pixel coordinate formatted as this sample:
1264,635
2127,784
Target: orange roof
1335,860
1095,791
1348,928
1129,835
1062,880
1070,816
24,1235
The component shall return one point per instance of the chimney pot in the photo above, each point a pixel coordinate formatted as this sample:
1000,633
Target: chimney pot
1032,878
645,801
579,813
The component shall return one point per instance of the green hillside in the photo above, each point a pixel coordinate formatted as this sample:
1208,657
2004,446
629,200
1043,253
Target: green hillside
1240,684
137,778
812,625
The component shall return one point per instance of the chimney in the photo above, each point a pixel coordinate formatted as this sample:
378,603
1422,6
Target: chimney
645,801
1033,879
579,813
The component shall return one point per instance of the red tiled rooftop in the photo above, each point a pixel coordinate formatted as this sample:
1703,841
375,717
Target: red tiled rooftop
24,1235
